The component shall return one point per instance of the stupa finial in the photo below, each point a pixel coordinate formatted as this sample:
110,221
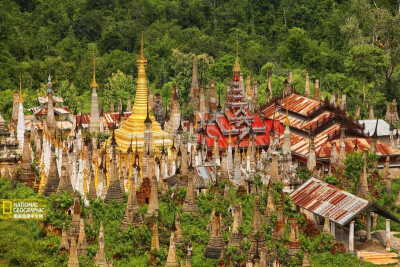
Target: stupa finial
287,122
21,99
94,83
236,66
141,48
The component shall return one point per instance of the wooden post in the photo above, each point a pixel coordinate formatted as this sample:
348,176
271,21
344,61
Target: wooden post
368,218
388,234
315,219
341,233
351,237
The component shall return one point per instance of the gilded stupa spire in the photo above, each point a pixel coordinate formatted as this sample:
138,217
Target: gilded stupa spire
141,99
147,120
287,122
21,99
94,83
236,66
141,57
135,123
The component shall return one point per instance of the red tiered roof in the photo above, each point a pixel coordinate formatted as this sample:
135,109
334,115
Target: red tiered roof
228,122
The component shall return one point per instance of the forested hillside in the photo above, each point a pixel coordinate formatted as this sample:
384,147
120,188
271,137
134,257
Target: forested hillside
351,46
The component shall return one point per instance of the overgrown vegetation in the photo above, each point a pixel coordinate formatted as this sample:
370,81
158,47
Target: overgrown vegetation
27,243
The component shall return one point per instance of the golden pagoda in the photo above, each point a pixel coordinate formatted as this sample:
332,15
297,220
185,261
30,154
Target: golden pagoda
134,126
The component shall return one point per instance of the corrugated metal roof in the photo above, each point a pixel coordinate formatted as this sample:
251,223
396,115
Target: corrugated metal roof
383,127
295,103
382,149
322,199
305,113
61,110
45,99
205,176
43,110
64,125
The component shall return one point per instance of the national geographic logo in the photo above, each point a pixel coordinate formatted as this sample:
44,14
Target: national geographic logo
22,209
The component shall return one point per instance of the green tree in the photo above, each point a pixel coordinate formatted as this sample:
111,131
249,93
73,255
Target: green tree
366,61
353,166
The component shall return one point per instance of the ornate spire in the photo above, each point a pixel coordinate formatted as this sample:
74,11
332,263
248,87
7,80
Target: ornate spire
236,66
248,85
256,227
94,83
216,241
82,242
190,199
130,150
21,99
180,128
64,246
155,244
49,85
147,120
100,258
172,260
173,145
94,124
153,204
141,57
141,98
287,122
194,89
307,86
338,98
73,257
219,107
375,134
236,237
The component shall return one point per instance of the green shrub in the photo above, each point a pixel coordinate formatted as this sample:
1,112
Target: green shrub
331,179
303,173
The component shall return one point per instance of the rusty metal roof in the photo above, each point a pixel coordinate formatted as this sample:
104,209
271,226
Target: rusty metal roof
297,104
306,113
45,99
321,198
382,149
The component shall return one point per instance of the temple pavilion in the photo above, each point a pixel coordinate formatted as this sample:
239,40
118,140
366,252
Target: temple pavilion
233,124
320,128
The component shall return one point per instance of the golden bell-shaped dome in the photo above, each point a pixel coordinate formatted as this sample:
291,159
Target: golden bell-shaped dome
134,126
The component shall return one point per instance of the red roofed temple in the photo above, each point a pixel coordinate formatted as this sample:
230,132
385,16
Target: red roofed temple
325,124
235,121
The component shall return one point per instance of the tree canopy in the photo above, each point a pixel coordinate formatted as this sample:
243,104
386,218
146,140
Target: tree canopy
351,45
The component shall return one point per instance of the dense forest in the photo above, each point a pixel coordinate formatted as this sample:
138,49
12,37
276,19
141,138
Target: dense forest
350,46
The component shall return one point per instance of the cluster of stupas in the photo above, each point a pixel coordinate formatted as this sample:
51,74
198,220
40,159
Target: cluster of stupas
237,141
75,243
